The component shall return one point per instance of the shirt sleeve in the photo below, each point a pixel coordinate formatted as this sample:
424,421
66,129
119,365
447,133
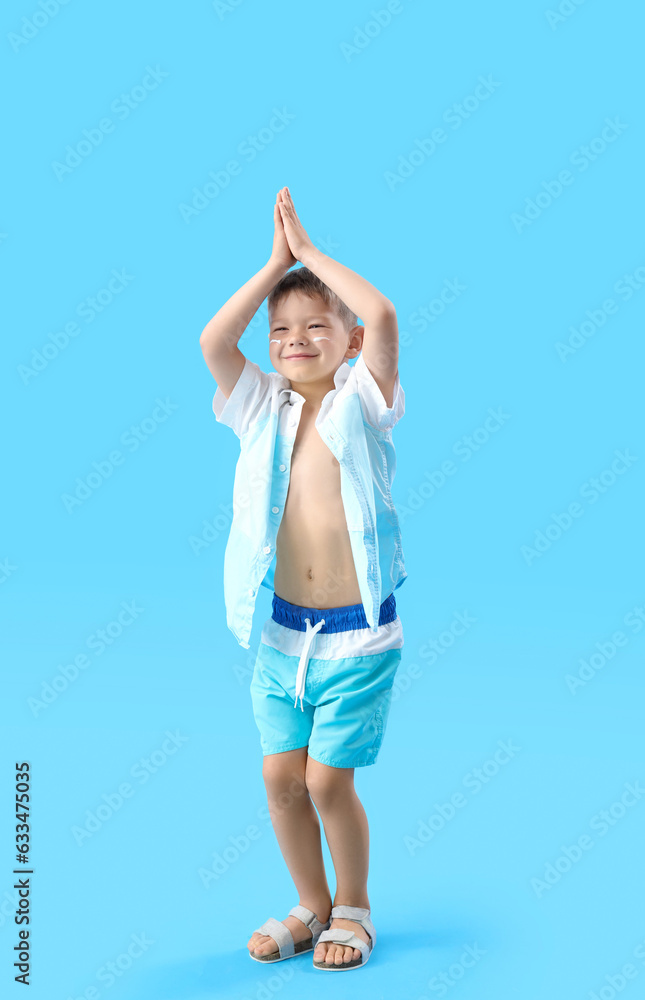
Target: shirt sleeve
375,410
249,400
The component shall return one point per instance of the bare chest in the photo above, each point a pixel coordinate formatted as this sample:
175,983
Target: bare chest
315,471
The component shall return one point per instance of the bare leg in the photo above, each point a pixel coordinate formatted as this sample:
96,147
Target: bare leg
296,826
347,832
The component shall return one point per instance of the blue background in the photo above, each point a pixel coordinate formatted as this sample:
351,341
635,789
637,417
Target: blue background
360,96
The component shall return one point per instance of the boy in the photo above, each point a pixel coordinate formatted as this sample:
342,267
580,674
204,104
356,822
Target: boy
314,521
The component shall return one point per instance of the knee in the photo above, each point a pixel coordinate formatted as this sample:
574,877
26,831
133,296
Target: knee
325,784
284,780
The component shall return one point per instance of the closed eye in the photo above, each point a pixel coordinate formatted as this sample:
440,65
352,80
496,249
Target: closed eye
278,329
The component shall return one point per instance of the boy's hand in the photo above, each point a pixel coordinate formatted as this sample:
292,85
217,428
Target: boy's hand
280,253
299,242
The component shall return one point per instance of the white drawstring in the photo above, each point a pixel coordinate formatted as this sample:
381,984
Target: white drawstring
304,659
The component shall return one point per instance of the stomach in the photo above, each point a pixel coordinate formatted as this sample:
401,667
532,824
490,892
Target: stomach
314,563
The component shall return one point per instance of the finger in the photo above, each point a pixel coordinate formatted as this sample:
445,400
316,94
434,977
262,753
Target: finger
290,203
292,208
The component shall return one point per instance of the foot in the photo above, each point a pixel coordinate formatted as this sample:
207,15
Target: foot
262,944
338,954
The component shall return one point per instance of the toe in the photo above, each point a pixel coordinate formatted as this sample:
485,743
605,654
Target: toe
265,946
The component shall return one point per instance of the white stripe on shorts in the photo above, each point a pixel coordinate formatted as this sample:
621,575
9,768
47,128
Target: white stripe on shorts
334,645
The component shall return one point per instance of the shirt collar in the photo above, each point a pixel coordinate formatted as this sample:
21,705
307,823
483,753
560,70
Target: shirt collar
340,377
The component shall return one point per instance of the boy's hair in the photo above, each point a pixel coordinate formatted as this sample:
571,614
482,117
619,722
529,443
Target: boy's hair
307,283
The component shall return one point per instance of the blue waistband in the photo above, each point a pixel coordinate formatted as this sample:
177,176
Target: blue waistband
343,619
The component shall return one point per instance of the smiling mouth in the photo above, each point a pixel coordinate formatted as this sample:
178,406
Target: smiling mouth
297,357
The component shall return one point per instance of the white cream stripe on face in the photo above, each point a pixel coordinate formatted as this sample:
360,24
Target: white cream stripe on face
313,338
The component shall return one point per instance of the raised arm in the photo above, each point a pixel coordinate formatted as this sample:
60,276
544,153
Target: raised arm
380,348
220,336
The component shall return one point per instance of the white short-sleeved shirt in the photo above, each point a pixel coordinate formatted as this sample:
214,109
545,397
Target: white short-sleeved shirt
356,424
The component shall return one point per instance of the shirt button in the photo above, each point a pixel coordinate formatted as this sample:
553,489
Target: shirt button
250,591
267,549
275,509
331,437
282,468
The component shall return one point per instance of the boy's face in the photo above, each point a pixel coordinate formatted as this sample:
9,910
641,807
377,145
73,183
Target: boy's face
304,326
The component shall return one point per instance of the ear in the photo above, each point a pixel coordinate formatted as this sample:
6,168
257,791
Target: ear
355,340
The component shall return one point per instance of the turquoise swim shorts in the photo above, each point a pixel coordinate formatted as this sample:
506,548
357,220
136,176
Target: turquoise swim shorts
323,680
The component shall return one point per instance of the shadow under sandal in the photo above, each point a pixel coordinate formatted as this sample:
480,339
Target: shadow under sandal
341,935
287,947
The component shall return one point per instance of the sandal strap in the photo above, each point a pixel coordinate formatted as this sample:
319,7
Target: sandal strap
280,934
283,937
309,918
358,913
341,935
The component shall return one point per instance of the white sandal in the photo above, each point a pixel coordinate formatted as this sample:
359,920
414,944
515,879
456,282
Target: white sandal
341,935
287,947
